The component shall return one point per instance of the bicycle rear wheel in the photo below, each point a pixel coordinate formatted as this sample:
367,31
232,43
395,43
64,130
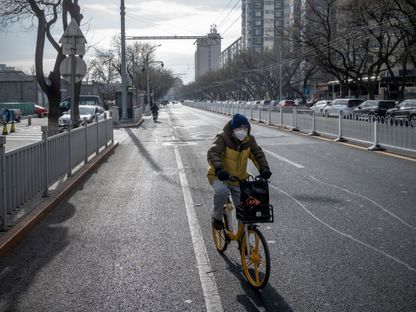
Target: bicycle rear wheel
256,265
220,238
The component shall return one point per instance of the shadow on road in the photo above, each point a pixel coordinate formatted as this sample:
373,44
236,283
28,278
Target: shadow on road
20,266
143,150
267,298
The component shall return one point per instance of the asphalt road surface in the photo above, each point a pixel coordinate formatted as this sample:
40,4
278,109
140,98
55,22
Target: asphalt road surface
136,235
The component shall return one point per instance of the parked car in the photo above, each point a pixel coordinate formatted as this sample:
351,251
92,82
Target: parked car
65,105
405,111
319,106
41,111
286,103
343,106
373,108
87,114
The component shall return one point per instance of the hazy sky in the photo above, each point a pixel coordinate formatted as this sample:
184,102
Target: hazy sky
143,18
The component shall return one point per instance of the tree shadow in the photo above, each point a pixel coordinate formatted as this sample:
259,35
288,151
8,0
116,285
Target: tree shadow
267,297
19,266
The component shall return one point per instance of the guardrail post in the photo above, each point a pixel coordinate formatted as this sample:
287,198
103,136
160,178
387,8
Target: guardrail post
295,120
45,160
375,146
281,116
251,112
313,132
270,114
339,138
259,113
86,142
29,120
3,209
105,122
69,149
244,109
96,122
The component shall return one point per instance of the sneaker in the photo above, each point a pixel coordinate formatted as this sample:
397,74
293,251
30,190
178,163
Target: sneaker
217,224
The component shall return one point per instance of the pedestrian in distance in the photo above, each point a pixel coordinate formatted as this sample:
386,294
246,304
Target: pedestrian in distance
228,156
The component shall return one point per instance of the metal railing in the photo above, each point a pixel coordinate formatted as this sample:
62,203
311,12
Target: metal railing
375,132
29,170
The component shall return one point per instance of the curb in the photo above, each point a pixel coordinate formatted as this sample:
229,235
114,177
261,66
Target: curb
17,232
120,125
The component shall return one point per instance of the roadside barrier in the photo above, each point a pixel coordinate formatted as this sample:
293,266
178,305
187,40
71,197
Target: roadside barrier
377,133
30,170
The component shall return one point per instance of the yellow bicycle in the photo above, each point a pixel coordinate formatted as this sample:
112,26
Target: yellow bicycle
254,251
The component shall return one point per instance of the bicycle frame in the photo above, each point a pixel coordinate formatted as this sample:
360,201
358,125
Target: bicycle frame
242,227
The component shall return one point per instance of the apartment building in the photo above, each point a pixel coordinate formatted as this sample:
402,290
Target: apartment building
263,24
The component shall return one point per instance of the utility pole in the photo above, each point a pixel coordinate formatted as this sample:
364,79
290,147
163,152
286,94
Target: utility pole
123,63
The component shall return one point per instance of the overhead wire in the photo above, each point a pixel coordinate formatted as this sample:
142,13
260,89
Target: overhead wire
229,12
223,11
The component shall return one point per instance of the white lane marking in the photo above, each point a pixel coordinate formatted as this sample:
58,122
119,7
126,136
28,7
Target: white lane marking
206,275
284,159
348,236
366,198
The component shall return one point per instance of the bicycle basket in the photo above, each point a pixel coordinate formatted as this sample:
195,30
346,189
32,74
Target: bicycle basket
254,202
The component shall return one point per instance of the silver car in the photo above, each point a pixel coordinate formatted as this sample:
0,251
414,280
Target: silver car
87,114
343,106
319,106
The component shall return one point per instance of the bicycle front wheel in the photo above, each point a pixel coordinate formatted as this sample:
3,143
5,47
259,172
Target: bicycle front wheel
256,264
220,239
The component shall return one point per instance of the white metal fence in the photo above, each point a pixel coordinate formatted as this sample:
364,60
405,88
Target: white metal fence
31,169
376,134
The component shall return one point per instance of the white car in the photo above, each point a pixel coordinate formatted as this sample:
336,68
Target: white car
319,106
343,106
87,113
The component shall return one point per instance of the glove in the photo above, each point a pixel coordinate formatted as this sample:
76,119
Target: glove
223,175
265,174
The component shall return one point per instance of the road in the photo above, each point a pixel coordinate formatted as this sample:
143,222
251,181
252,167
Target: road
136,235
25,134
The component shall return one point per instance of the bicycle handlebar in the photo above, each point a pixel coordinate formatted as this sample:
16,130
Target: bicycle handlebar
237,179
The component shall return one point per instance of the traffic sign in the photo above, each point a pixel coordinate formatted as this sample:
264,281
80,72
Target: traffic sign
73,40
80,69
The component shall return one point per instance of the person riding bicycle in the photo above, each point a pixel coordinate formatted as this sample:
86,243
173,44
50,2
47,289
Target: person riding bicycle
228,156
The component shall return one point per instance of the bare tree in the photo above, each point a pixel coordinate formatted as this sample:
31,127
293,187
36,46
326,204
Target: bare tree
44,14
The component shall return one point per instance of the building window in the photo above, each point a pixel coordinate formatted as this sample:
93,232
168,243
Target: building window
257,14
257,23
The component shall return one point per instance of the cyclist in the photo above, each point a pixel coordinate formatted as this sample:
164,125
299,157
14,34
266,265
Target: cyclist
228,156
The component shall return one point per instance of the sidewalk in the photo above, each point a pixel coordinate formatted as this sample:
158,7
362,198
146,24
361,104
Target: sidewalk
38,207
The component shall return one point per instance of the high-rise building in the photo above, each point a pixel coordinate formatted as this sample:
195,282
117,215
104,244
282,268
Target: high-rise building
207,54
263,23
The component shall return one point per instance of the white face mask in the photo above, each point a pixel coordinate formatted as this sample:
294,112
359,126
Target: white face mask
240,134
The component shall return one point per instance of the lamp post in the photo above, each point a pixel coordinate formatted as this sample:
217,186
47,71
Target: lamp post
147,72
123,64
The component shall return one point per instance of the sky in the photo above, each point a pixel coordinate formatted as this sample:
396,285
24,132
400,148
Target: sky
143,18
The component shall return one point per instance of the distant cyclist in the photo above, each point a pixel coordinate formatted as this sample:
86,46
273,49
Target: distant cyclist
228,156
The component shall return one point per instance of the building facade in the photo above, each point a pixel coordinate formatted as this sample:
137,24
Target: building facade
263,24
207,54
16,86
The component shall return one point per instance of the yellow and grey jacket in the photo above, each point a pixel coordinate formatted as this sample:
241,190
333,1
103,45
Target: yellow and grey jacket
226,152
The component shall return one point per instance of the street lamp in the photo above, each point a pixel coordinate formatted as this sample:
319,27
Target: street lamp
147,71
